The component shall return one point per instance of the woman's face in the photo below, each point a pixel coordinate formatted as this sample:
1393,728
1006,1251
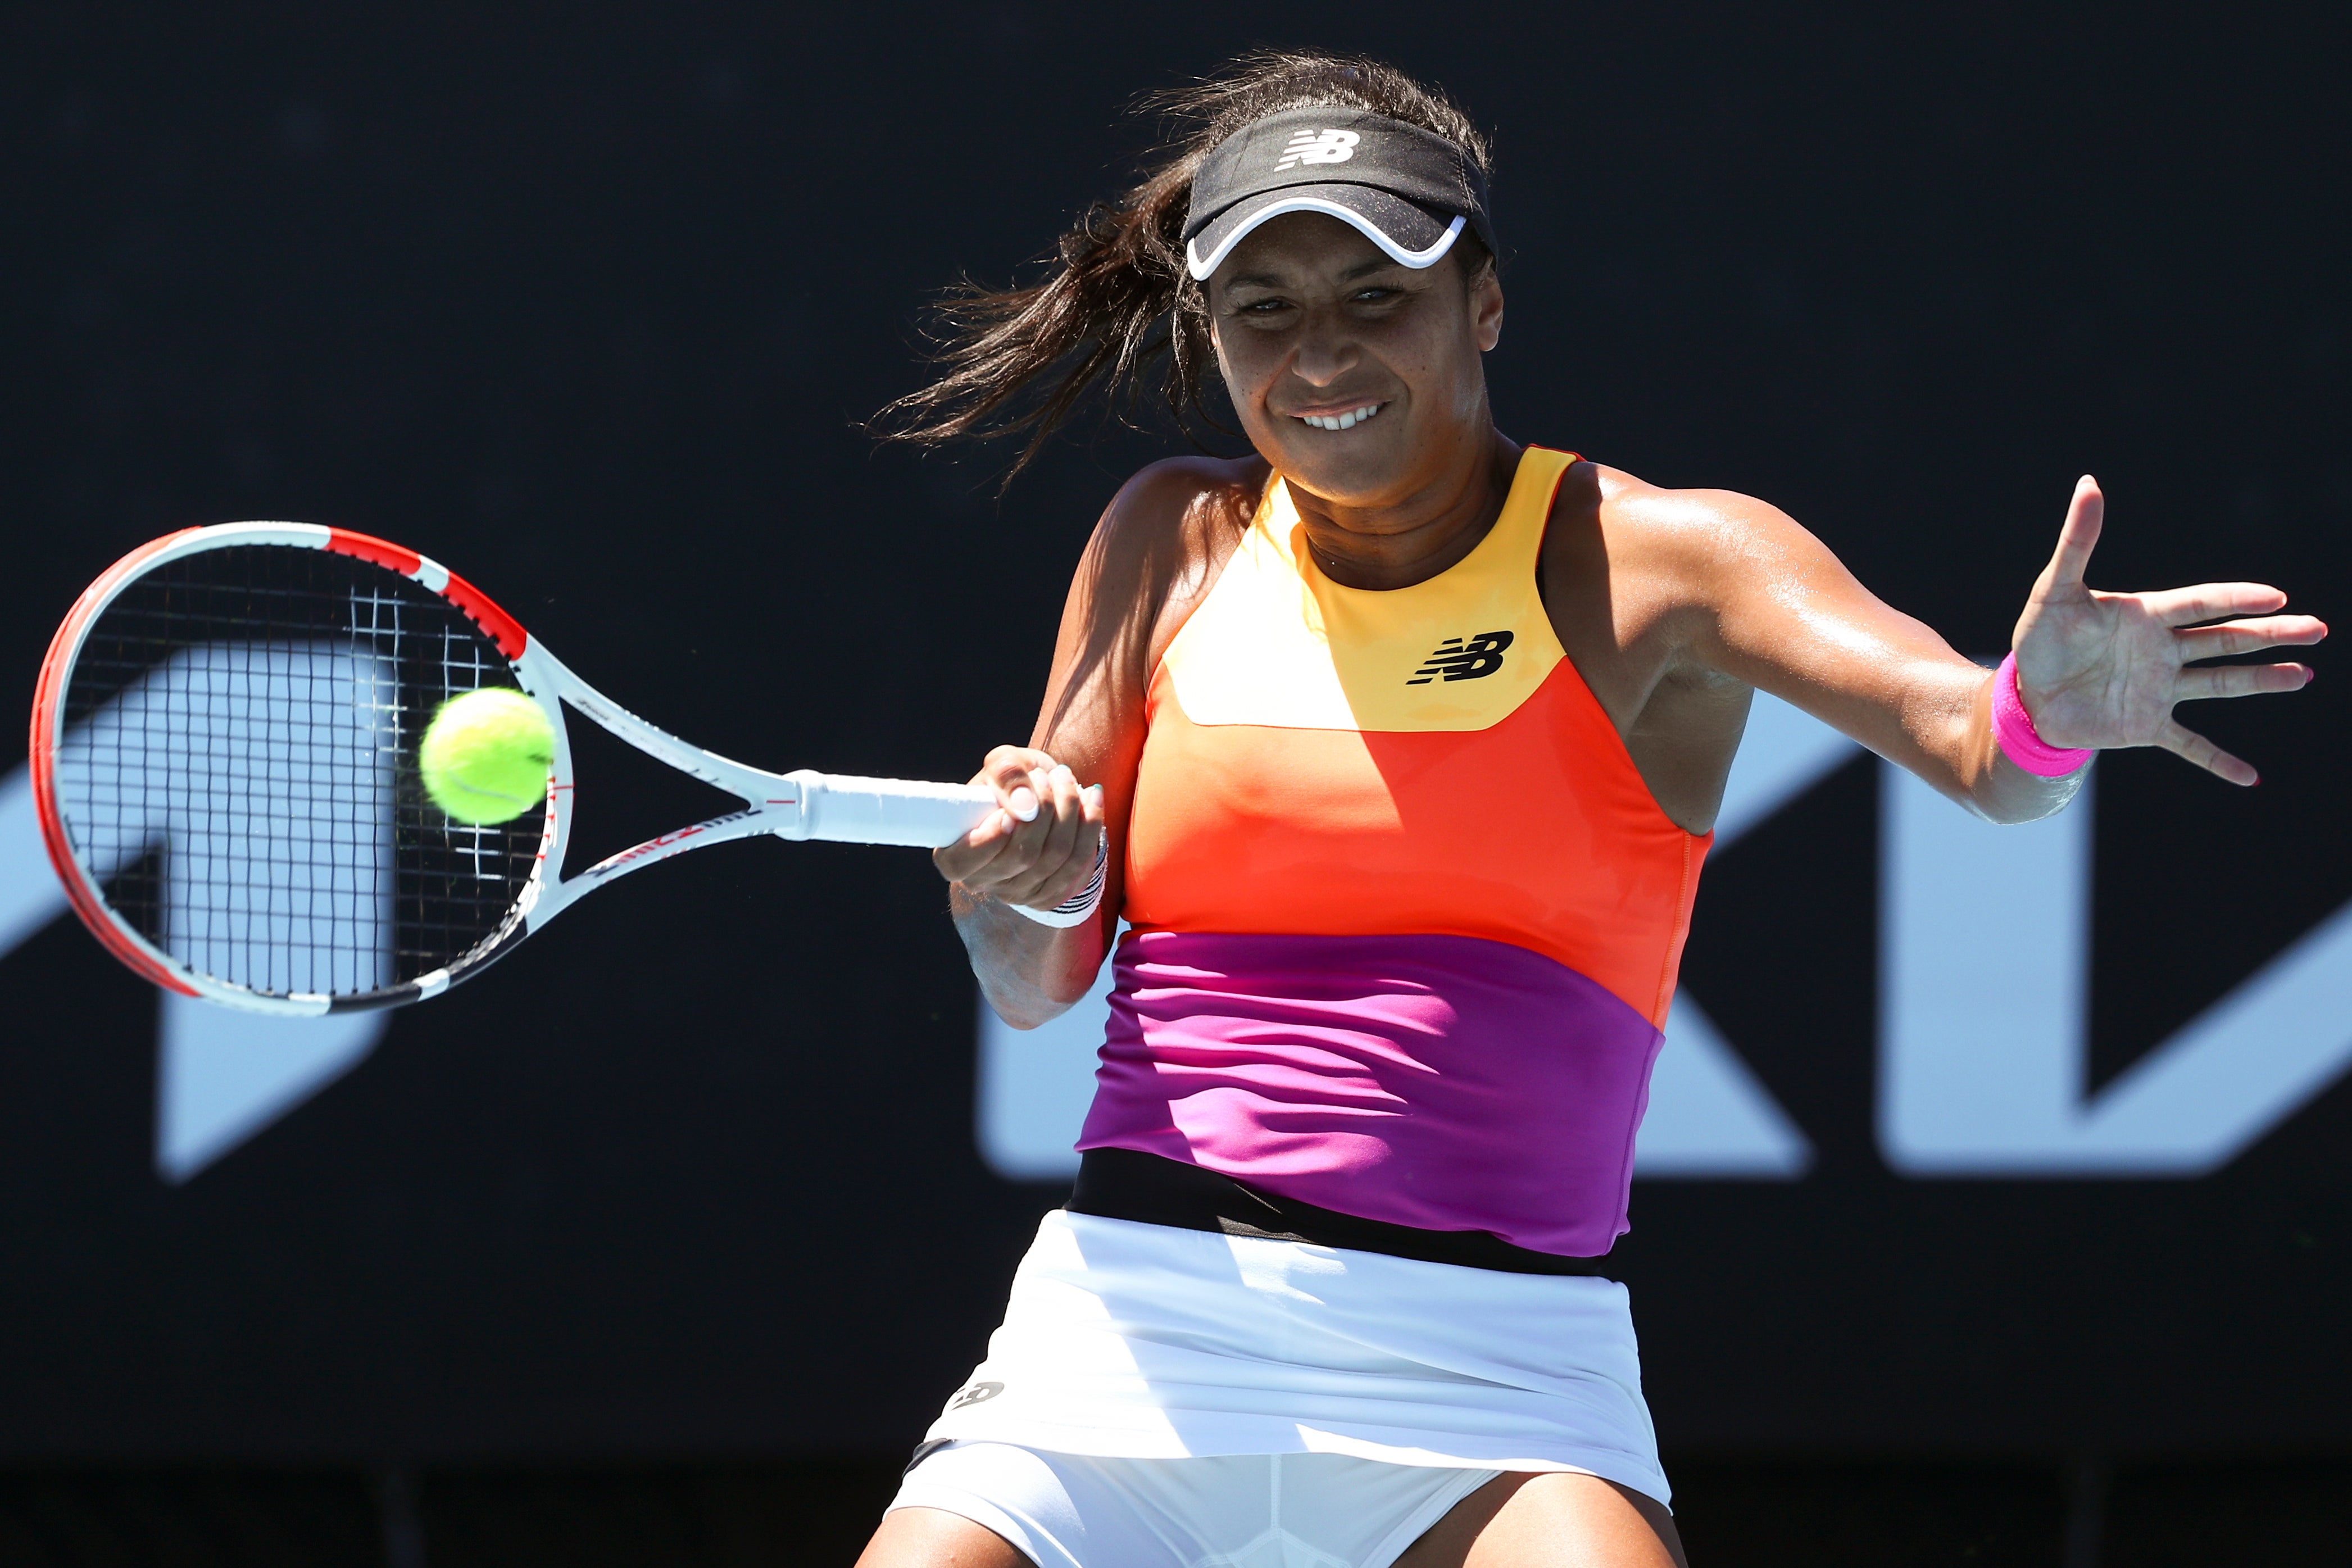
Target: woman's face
1315,326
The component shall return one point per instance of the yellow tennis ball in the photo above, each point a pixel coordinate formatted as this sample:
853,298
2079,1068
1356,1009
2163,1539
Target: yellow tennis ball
486,756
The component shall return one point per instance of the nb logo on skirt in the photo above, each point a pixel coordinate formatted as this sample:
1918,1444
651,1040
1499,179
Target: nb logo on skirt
975,1395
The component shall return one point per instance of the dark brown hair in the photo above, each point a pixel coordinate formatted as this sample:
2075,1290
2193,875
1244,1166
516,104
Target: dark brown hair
1116,301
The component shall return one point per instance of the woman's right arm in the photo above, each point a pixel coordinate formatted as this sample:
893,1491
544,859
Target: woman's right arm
1153,556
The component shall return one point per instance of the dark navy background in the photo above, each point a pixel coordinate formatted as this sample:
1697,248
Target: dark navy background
587,302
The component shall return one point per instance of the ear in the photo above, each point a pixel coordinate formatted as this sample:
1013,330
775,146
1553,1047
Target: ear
1486,308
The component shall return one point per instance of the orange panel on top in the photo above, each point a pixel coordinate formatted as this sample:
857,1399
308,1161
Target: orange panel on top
1535,830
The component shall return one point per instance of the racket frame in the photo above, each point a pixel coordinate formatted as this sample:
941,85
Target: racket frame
801,805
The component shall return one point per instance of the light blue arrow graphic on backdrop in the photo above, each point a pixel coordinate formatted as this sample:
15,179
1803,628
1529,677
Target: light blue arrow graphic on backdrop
1708,1116
221,1076
1984,990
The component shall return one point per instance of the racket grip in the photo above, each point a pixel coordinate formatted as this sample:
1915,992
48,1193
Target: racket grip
846,809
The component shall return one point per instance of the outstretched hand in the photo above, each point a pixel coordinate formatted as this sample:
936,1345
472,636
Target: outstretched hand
2105,669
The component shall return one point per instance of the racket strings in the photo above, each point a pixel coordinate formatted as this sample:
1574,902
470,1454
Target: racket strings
238,772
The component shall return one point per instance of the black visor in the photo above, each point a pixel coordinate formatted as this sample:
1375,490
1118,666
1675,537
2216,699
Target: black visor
1409,191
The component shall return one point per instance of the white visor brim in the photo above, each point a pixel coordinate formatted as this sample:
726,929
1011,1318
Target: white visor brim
1202,267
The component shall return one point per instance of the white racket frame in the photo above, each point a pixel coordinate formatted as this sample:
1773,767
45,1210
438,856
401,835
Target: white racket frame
805,804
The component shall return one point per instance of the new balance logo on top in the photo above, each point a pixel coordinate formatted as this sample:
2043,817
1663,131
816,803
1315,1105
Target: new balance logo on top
1459,661
1318,147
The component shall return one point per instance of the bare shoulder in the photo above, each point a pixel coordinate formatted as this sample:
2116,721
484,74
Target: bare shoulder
1724,584
1696,542
1196,477
1163,538
1156,550
1187,504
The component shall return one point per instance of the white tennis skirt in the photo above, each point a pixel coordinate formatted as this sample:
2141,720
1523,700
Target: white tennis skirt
1135,1341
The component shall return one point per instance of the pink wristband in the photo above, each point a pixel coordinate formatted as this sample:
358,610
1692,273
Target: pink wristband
2020,741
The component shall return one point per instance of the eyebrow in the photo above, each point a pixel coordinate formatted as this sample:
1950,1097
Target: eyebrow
1268,280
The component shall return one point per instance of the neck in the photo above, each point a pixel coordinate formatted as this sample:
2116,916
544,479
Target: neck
1414,539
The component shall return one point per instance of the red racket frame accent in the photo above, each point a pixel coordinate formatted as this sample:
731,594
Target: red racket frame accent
47,696
478,605
503,629
367,547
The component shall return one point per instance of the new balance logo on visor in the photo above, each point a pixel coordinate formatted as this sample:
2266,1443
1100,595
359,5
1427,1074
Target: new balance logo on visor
1459,661
1318,147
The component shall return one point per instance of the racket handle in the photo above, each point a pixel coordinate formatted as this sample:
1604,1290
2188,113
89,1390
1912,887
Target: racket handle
852,811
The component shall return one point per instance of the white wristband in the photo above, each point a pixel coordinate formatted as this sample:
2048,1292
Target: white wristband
1079,905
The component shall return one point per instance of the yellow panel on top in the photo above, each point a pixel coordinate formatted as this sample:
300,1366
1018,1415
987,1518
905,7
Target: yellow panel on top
1280,644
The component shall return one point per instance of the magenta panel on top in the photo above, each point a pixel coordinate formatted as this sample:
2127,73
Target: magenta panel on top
1446,1082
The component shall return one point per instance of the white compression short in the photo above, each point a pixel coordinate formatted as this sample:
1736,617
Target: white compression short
1234,1510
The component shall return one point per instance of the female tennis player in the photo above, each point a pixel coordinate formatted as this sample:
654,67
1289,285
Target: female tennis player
1397,744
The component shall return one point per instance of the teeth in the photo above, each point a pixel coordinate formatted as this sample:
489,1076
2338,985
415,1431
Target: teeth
1347,420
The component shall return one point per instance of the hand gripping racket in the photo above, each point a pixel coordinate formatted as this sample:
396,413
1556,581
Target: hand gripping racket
224,761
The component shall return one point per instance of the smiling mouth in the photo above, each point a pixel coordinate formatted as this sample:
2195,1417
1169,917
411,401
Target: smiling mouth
1347,420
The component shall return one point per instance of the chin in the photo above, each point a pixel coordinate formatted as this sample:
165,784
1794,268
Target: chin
1352,474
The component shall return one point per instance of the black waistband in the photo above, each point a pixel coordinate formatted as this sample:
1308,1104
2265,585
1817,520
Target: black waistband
1125,1184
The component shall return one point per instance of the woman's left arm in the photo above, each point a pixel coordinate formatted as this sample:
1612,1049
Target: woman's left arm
2094,669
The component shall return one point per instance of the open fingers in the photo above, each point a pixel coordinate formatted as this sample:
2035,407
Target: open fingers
2230,637
2210,601
2186,743
2085,514
2240,681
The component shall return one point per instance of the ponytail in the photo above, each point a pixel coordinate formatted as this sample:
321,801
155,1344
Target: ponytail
1115,302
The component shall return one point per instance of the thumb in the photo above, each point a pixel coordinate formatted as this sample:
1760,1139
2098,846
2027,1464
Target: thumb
2078,537
1012,773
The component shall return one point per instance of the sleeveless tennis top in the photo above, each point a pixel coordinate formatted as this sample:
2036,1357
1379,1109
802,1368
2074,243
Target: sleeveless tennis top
1406,917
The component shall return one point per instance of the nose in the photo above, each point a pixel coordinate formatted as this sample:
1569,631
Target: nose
1325,352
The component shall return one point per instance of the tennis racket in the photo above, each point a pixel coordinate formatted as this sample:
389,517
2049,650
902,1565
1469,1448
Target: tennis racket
224,760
